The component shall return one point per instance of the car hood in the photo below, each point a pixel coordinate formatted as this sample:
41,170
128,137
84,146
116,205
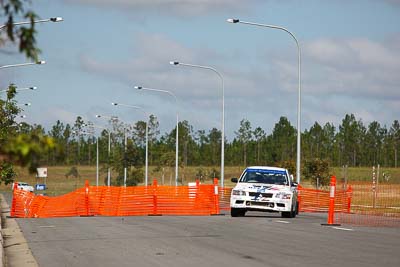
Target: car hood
254,187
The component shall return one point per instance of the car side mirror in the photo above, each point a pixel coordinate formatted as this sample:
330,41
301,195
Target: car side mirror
234,180
295,184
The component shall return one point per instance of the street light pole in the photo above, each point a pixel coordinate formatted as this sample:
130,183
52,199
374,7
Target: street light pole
97,161
97,155
125,144
176,63
299,85
55,19
177,125
146,176
20,89
41,62
109,149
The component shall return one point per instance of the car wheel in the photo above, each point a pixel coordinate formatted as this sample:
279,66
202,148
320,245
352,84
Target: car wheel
290,214
237,212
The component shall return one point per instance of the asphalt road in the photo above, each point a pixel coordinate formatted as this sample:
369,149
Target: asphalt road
265,240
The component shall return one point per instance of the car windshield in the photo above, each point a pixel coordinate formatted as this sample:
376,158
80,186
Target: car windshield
264,176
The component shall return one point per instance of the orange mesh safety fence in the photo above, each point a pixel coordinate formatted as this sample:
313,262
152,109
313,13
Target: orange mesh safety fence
358,203
224,198
313,200
373,205
120,201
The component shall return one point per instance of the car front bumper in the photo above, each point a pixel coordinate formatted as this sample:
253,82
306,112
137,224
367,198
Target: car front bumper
266,204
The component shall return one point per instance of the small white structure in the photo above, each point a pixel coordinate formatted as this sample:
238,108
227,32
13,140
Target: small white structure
41,172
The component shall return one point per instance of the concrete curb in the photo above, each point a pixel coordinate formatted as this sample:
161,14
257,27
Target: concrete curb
15,250
2,259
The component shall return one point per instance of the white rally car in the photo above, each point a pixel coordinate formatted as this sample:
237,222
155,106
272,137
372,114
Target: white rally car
267,189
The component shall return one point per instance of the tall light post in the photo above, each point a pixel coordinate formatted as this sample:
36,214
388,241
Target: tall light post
109,147
176,63
20,89
177,125
55,19
146,176
41,62
299,84
97,154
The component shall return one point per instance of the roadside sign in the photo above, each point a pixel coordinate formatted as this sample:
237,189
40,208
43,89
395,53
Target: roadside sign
39,187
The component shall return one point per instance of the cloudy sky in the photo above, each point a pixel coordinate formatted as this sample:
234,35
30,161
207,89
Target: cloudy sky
350,61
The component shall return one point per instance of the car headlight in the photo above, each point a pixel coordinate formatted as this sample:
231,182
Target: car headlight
238,193
283,195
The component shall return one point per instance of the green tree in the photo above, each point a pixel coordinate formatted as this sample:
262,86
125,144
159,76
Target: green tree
328,141
24,36
317,171
244,135
351,136
373,143
186,140
139,133
214,138
394,139
56,133
259,135
16,147
153,134
283,141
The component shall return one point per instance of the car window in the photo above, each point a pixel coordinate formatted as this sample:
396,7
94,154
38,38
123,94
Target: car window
264,176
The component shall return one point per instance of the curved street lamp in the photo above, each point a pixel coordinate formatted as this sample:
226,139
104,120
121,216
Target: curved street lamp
177,63
41,62
299,83
177,124
20,89
54,19
146,176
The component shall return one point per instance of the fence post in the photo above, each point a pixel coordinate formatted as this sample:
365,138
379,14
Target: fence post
87,208
13,204
155,200
216,199
331,212
299,200
87,196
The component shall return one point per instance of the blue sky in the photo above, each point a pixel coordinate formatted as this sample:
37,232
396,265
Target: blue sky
350,61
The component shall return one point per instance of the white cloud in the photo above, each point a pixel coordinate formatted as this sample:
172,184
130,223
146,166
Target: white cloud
357,76
354,67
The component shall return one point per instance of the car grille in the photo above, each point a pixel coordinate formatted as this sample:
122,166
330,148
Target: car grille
255,194
256,203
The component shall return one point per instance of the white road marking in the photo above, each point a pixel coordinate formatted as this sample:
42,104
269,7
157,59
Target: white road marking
344,229
282,222
46,226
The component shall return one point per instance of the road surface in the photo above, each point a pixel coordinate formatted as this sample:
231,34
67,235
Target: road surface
265,240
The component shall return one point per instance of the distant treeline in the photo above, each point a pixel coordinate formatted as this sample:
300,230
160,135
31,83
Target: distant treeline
351,143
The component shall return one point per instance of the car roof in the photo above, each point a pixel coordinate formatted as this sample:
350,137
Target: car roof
266,168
